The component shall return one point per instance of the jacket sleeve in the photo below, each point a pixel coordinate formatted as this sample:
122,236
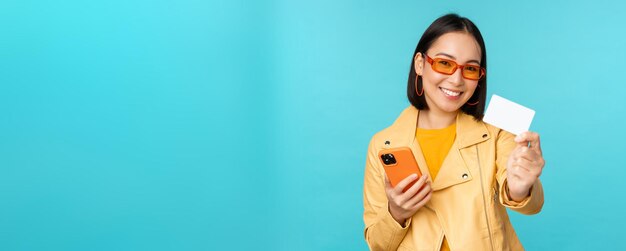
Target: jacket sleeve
382,232
531,204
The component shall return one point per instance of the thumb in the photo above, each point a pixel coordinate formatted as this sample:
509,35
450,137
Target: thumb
521,140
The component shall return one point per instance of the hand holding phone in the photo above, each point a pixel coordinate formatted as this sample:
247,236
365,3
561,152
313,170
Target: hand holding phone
409,193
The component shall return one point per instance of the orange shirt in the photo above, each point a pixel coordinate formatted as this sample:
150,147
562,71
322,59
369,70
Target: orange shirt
435,145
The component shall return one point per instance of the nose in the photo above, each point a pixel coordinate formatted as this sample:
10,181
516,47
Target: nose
457,77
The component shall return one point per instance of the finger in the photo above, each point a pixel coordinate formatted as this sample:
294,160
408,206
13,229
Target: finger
516,152
527,153
423,202
530,139
520,166
535,158
514,167
400,186
525,164
420,195
533,139
532,167
514,178
520,139
410,193
536,144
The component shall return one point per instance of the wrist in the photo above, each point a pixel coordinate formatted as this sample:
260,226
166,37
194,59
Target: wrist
398,219
517,196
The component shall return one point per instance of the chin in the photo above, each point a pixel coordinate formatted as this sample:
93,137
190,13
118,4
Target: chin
447,106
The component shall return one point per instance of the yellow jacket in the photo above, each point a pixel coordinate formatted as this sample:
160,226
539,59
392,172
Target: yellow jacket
469,196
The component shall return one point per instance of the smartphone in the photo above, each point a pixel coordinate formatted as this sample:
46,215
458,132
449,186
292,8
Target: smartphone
399,163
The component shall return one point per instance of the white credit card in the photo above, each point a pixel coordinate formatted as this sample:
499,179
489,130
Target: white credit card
508,115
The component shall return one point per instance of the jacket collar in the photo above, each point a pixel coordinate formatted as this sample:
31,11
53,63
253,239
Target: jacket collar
468,131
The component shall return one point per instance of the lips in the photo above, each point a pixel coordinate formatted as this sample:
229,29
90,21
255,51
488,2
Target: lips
450,93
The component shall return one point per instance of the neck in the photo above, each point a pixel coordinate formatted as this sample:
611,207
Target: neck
429,119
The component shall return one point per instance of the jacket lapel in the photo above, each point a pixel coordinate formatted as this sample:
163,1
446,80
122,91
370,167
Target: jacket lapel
454,169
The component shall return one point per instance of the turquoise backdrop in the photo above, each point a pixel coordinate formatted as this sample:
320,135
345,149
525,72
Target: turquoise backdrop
243,125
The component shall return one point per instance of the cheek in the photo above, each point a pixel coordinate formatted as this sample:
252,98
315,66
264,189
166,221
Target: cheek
430,79
471,86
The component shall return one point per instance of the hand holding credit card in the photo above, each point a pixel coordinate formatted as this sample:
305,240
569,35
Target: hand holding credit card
508,115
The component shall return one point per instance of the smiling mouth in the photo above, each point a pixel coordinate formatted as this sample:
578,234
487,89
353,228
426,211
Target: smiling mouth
450,93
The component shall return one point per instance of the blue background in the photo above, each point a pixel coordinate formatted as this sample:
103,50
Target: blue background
194,125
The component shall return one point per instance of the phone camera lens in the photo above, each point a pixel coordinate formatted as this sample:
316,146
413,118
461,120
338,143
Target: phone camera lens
388,159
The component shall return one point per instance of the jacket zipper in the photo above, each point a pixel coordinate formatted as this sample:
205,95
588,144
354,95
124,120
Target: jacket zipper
482,190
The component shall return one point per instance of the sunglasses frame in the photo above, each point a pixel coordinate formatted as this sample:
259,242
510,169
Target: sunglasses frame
457,66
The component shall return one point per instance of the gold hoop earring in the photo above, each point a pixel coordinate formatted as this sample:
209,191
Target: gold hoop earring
416,92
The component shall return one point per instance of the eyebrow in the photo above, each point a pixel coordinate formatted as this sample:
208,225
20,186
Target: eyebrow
452,57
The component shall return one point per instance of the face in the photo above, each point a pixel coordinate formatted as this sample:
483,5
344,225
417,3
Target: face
448,93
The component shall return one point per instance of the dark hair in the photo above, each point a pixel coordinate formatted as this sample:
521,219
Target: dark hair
446,24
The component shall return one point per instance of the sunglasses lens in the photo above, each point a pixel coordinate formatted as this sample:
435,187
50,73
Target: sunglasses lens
471,72
444,66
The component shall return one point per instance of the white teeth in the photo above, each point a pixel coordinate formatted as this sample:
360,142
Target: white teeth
449,92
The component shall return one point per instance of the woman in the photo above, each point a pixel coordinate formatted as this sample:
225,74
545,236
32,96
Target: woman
472,170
